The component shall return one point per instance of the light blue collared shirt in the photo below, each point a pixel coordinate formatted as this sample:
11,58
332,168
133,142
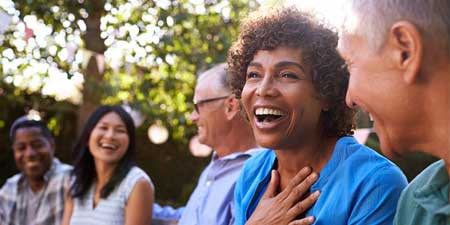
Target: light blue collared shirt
212,202
358,186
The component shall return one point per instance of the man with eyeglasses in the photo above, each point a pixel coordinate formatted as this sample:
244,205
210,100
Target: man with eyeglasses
36,195
223,126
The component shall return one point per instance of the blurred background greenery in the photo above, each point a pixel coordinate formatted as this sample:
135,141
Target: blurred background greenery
65,58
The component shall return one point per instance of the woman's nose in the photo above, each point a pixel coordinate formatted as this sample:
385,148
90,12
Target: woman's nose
266,87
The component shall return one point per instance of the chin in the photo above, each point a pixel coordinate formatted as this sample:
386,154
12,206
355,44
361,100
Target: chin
269,143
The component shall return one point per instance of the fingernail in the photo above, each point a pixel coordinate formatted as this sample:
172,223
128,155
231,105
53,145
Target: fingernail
311,219
314,175
316,193
307,169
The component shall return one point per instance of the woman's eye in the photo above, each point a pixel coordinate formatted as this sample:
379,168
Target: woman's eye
289,75
102,128
252,75
122,131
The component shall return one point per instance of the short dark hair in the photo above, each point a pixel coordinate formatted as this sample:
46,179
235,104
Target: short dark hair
83,163
24,122
288,27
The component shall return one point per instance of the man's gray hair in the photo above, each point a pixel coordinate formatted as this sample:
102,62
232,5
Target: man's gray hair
373,18
219,70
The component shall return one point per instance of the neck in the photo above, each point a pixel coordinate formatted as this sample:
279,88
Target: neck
315,154
238,139
36,184
104,173
436,128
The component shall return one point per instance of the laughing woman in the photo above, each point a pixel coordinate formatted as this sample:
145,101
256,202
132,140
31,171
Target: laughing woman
292,84
108,188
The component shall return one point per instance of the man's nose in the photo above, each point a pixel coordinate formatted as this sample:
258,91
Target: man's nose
30,151
194,115
349,100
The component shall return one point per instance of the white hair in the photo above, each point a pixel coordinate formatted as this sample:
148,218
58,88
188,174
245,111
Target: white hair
218,74
372,19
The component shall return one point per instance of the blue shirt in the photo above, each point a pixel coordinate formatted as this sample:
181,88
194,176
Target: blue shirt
358,186
212,203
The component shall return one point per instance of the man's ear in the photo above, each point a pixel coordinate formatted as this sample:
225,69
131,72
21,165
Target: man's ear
232,107
407,53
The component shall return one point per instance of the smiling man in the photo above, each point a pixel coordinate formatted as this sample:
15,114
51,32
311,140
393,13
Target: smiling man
35,195
398,55
223,126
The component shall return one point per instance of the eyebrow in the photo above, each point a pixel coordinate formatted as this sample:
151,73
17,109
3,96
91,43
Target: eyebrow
107,124
281,64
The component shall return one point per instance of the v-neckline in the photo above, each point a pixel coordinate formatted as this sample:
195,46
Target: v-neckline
93,204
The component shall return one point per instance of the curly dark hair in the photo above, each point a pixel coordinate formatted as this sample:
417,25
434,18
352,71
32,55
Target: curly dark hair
288,27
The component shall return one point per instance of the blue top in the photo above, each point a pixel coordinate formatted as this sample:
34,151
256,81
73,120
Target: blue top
358,186
212,200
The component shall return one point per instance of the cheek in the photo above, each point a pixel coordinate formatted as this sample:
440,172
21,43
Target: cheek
93,138
246,99
124,141
18,157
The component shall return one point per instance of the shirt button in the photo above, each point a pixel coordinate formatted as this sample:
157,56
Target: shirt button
208,183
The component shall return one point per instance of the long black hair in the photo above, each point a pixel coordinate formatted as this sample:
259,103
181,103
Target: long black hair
84,167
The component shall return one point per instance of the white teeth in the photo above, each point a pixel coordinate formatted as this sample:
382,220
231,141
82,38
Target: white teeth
105,145
370,117
268,111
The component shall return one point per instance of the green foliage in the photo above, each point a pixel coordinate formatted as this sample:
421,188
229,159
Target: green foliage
152,52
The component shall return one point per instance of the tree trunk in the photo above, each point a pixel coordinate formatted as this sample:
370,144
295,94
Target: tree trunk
92,76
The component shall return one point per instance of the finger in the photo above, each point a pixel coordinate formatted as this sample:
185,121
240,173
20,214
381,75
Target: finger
305,221
304,205
301,189
299,177
273,185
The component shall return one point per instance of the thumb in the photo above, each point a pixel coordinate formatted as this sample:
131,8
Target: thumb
273,185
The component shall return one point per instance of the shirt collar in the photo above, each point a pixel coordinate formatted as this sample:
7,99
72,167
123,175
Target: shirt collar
232,156
433,194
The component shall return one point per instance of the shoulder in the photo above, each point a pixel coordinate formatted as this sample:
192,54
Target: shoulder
427,175
11,184
425,178
365,161
137,177
137,173
60,168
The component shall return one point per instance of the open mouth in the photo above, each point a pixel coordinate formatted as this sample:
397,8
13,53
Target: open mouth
268,114
107,146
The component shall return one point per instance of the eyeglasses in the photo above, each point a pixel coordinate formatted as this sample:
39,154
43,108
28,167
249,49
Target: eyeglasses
199,103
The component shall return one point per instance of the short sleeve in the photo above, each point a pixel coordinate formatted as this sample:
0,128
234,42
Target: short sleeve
132,178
